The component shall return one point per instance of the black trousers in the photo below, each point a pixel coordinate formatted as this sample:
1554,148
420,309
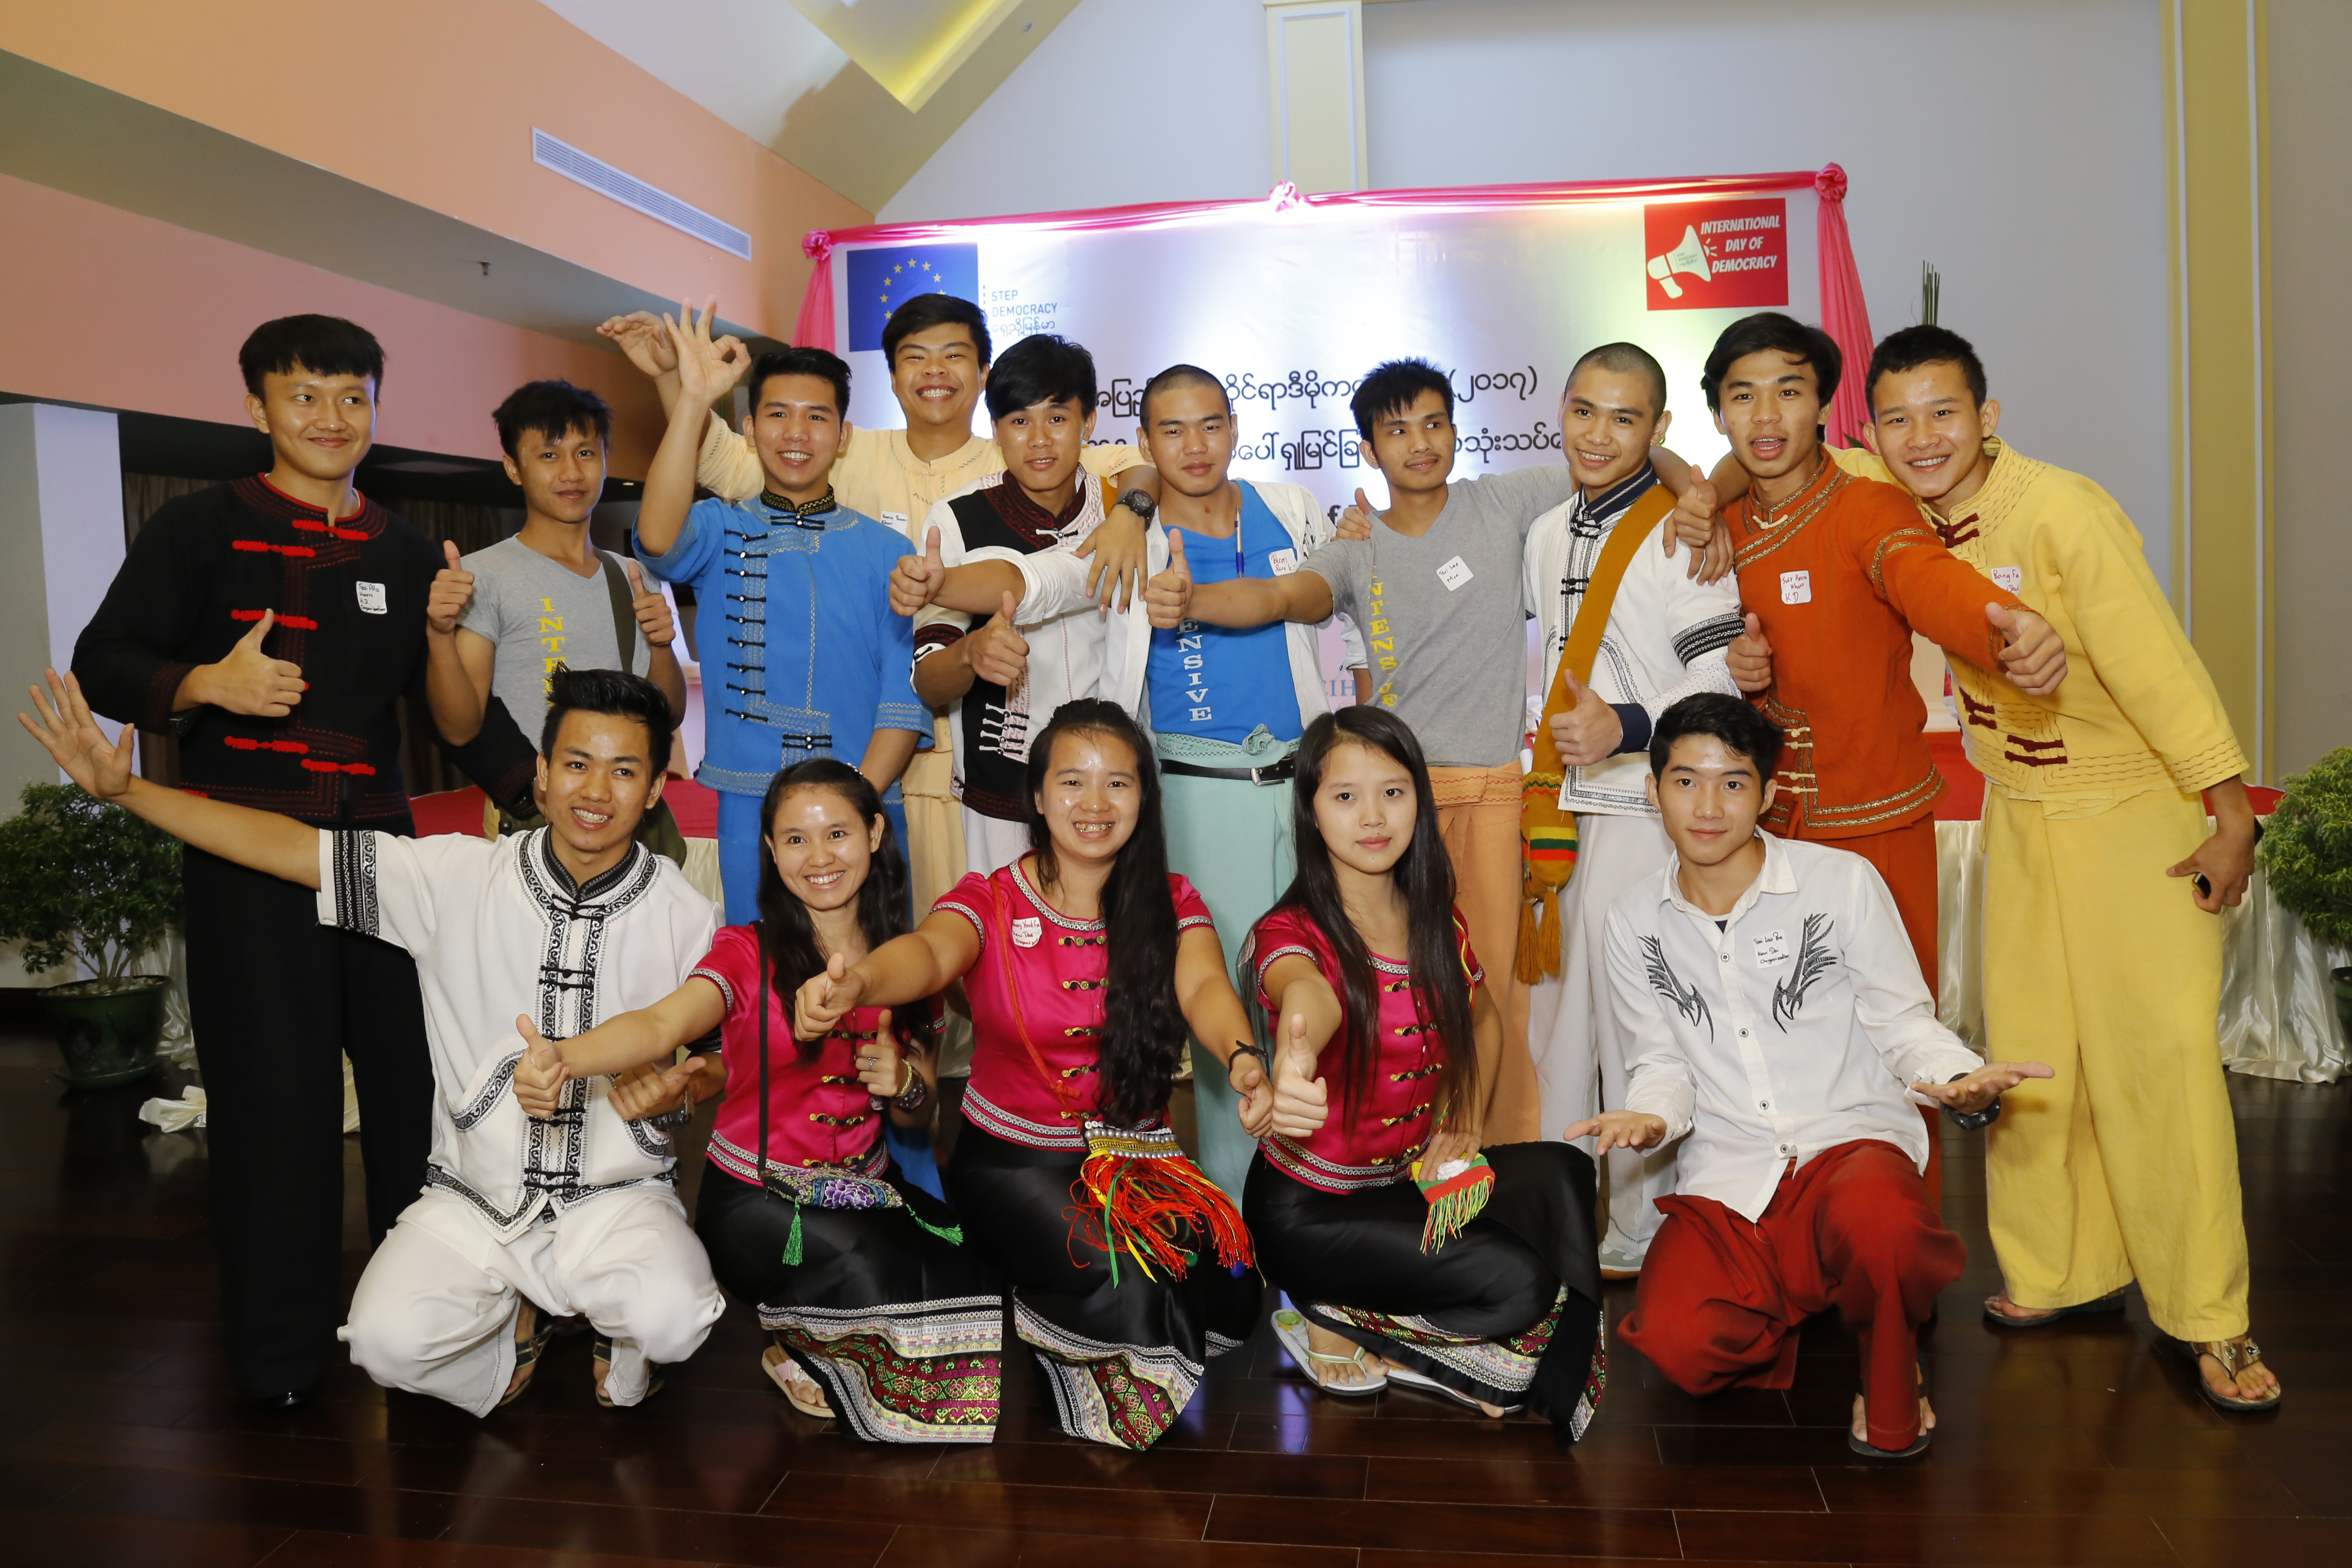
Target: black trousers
276,1000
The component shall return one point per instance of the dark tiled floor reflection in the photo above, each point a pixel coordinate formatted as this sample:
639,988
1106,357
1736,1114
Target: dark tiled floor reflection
123,1443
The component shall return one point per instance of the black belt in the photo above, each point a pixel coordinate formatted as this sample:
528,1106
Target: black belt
1274,772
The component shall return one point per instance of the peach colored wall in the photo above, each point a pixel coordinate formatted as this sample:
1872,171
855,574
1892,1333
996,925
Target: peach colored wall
434,102
125,311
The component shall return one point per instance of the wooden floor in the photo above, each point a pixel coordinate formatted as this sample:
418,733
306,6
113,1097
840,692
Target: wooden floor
120,1441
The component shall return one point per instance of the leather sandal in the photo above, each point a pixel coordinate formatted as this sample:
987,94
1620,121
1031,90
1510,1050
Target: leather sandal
1290,1328
2234,1355
2113,1301
1870,1451
528,1352
786,1374
604,1359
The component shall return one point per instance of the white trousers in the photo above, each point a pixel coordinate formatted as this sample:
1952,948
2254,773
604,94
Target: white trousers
990,842
435,1310
1583,1059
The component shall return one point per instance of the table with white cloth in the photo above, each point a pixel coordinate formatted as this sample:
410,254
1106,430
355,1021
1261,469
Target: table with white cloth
2278,1008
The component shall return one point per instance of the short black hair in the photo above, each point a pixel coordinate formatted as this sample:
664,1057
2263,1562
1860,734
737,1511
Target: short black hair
925,312
1174,377
818,362
612,692
1393,386
1915,346
1041,368
1738,725
1766,332
323,345
1626,359
554,409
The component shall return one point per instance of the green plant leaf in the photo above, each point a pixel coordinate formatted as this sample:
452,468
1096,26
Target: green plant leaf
82,879
2307,848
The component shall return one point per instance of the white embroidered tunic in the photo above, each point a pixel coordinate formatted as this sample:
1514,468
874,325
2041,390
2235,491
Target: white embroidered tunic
498,930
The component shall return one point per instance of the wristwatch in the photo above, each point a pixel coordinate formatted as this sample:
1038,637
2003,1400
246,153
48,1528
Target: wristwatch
1973,1121
1140,504
670,1121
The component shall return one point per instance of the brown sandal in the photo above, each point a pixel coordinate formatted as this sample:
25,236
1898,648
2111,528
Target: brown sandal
528,1352
2235,1356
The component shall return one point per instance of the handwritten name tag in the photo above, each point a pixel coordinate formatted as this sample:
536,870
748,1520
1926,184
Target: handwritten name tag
1796,587
2009,577
1454,573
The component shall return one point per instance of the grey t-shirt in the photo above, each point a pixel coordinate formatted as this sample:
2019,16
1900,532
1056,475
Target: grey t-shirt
541,613
1444,622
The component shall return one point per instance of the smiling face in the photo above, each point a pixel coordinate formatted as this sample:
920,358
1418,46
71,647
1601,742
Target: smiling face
599,783
1092,797
1710,798
1041,445
1413,448
1930,431
1608,426
319,426
799,432
1188,435
1770,407
1365,806
562,476
821,848
936,375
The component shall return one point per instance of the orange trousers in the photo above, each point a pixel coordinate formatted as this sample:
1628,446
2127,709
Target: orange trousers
1905,857
1478,817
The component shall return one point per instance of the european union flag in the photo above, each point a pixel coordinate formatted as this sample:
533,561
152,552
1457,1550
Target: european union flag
885,277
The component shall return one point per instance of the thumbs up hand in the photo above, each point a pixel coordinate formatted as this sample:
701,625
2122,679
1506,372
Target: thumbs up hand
1697,524
1302,1101
1587,732
652,609
997,651
1750,657
2034,656
826,999
917,580
540,1075
1168,597
647,1090
1355,522
453,590
248,680
1249,1076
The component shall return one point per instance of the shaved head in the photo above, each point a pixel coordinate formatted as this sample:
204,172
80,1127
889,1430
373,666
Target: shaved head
1627,359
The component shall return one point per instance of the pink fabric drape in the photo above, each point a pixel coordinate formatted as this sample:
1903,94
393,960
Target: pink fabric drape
1844,315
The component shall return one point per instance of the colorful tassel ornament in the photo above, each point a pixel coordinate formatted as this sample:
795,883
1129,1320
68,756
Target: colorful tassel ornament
1457,1191
1143,1191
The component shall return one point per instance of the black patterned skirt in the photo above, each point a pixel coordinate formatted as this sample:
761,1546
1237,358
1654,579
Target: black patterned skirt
898,1324
1122,1350
1508,1311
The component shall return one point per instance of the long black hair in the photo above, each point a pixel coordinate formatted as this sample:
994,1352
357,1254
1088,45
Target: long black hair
1423,875
787,935
1144,1028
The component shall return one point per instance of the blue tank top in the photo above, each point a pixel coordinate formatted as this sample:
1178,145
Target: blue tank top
1216,682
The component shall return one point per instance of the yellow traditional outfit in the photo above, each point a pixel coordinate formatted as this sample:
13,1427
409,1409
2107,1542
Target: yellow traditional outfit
2124,1165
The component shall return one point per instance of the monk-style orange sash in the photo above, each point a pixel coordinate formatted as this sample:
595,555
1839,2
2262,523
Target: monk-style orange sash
1547,832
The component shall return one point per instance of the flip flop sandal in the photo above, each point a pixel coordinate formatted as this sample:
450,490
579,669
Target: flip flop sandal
2233,1357
1427,1385
786,1374
526,1356
2113,1301
1290,1328
1870,1451
604,1359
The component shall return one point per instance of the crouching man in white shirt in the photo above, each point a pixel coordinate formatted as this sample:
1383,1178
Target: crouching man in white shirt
520,1221
1778,1020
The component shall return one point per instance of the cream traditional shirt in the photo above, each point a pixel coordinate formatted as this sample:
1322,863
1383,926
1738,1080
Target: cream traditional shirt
2137,712
1795,1025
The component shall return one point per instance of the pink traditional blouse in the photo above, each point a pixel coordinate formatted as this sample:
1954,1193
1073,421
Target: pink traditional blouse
1041,971
1374,1142
818,1113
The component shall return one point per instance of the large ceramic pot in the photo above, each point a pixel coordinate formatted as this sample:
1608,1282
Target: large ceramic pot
107,1030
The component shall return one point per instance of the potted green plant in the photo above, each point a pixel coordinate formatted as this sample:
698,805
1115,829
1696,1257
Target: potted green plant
79,879
2306,852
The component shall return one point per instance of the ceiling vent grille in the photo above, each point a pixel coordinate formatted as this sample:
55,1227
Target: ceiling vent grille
633,193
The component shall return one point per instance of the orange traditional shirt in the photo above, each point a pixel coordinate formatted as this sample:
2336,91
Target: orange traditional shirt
1840,575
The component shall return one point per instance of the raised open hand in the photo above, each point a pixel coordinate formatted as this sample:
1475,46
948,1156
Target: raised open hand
67,731
2034,656
917,580
998,651
1750,657
1168,597
541,1074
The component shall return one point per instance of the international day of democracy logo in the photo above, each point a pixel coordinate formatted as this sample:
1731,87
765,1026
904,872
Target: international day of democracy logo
1710,255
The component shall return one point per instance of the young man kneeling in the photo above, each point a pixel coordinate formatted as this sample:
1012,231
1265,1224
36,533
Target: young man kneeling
520,1221
1777,1014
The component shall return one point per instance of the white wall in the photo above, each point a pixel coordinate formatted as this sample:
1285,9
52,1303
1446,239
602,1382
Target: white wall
2018,144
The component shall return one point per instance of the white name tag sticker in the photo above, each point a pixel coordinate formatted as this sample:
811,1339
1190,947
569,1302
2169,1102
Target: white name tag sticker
1771,947
1796,587
896,519
372,598
1454,573
1026,930
2009,577
1284,562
